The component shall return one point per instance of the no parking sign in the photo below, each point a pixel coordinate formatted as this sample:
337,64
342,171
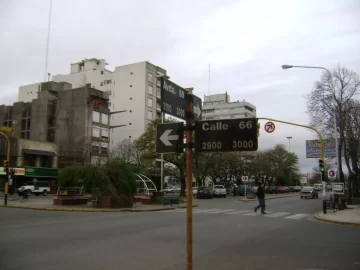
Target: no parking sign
331,173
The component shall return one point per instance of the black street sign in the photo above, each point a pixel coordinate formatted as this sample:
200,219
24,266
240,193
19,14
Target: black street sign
226,135
170,138
173,99
197,107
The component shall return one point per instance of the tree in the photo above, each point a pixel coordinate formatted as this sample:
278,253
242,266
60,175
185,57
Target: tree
127,152
332,95
352,145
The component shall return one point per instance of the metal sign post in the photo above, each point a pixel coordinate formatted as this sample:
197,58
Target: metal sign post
189,116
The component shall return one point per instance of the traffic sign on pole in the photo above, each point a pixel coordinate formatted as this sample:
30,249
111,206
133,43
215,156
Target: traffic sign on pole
331,173
226,135
174,100
170,138
269,127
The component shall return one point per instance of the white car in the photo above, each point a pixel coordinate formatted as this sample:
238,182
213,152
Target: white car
40,187
219,191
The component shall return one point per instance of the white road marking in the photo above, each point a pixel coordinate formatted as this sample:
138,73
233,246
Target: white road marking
278,214
256,213
297,216
238,212
221,211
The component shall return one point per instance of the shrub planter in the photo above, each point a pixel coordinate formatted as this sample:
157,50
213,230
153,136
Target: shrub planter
105,201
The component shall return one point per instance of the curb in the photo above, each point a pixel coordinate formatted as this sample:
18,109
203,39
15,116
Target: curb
271,198
316,216
92,210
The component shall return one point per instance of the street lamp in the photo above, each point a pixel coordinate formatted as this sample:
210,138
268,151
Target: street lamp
338,160
289,138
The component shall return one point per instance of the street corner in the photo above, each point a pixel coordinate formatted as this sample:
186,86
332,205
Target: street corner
331,218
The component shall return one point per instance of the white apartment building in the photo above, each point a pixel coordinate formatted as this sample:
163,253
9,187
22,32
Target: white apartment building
218,106
133,88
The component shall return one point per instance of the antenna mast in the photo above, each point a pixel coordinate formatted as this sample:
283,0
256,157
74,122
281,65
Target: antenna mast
209,80
47,42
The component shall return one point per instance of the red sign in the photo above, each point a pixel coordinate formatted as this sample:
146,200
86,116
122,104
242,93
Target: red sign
269,127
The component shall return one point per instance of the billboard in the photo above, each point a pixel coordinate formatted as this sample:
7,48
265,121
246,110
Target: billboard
313,148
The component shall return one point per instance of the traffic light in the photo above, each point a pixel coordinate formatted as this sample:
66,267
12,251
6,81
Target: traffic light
258,129
6,165
321,166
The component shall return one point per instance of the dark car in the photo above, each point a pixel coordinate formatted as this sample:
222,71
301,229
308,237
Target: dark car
308,192
204,193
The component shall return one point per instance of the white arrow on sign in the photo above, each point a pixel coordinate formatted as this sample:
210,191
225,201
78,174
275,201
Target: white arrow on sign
197,110
166,137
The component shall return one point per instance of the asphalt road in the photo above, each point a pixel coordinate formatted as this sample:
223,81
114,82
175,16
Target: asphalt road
232,237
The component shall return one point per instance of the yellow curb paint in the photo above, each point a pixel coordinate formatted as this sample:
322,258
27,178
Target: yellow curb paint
316,216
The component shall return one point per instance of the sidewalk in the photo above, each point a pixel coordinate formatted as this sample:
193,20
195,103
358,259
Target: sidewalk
344,217
47,204
272,196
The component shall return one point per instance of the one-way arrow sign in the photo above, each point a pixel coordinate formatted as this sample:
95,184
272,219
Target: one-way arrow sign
197,107
170,138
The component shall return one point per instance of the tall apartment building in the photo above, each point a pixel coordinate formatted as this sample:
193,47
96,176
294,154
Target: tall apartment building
133,88
218,106
76,119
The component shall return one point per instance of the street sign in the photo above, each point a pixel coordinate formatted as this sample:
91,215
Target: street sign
170,138
338,188
226,135
269,127
331,173
197,107
173,99
244,178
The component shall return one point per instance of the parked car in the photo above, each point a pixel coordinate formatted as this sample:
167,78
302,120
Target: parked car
40,187
219,191
204,193
309,192
297,188
281,189
241,189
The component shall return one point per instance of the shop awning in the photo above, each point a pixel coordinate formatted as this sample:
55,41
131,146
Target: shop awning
39,152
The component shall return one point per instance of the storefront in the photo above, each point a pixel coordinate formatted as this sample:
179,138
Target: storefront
27,175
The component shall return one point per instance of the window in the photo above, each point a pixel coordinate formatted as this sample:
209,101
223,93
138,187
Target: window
150,89
107,82
150,102
158,92
101,84
129,124
158,82
130,111
104,148
129,137
150,77
131,73
149,114
96,116
158,105
130,85
96,132
102,72
95,148
131,98
104,133
104,119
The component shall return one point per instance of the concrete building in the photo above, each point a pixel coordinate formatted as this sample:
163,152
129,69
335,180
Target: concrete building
218,106
76,120
133,88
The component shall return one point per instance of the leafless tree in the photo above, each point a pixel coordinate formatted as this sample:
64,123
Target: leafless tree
128,153
332,95
352,145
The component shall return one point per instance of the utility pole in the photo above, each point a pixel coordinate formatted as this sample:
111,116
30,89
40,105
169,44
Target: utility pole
6,167
289,138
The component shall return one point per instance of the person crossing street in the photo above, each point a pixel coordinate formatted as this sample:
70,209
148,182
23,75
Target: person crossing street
260,193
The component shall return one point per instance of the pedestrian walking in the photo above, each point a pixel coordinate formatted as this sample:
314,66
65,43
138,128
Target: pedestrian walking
260,193
234,190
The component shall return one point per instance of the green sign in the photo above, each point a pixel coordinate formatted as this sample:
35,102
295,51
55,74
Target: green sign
41,172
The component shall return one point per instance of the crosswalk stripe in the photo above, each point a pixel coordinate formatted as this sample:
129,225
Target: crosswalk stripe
297,216
221,211
207,210
256,213
180,210
237,212
278,214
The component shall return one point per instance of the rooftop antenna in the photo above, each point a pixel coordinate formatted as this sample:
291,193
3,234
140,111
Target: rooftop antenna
47,42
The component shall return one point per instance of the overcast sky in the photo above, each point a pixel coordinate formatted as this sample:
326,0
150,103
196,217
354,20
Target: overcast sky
245,43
